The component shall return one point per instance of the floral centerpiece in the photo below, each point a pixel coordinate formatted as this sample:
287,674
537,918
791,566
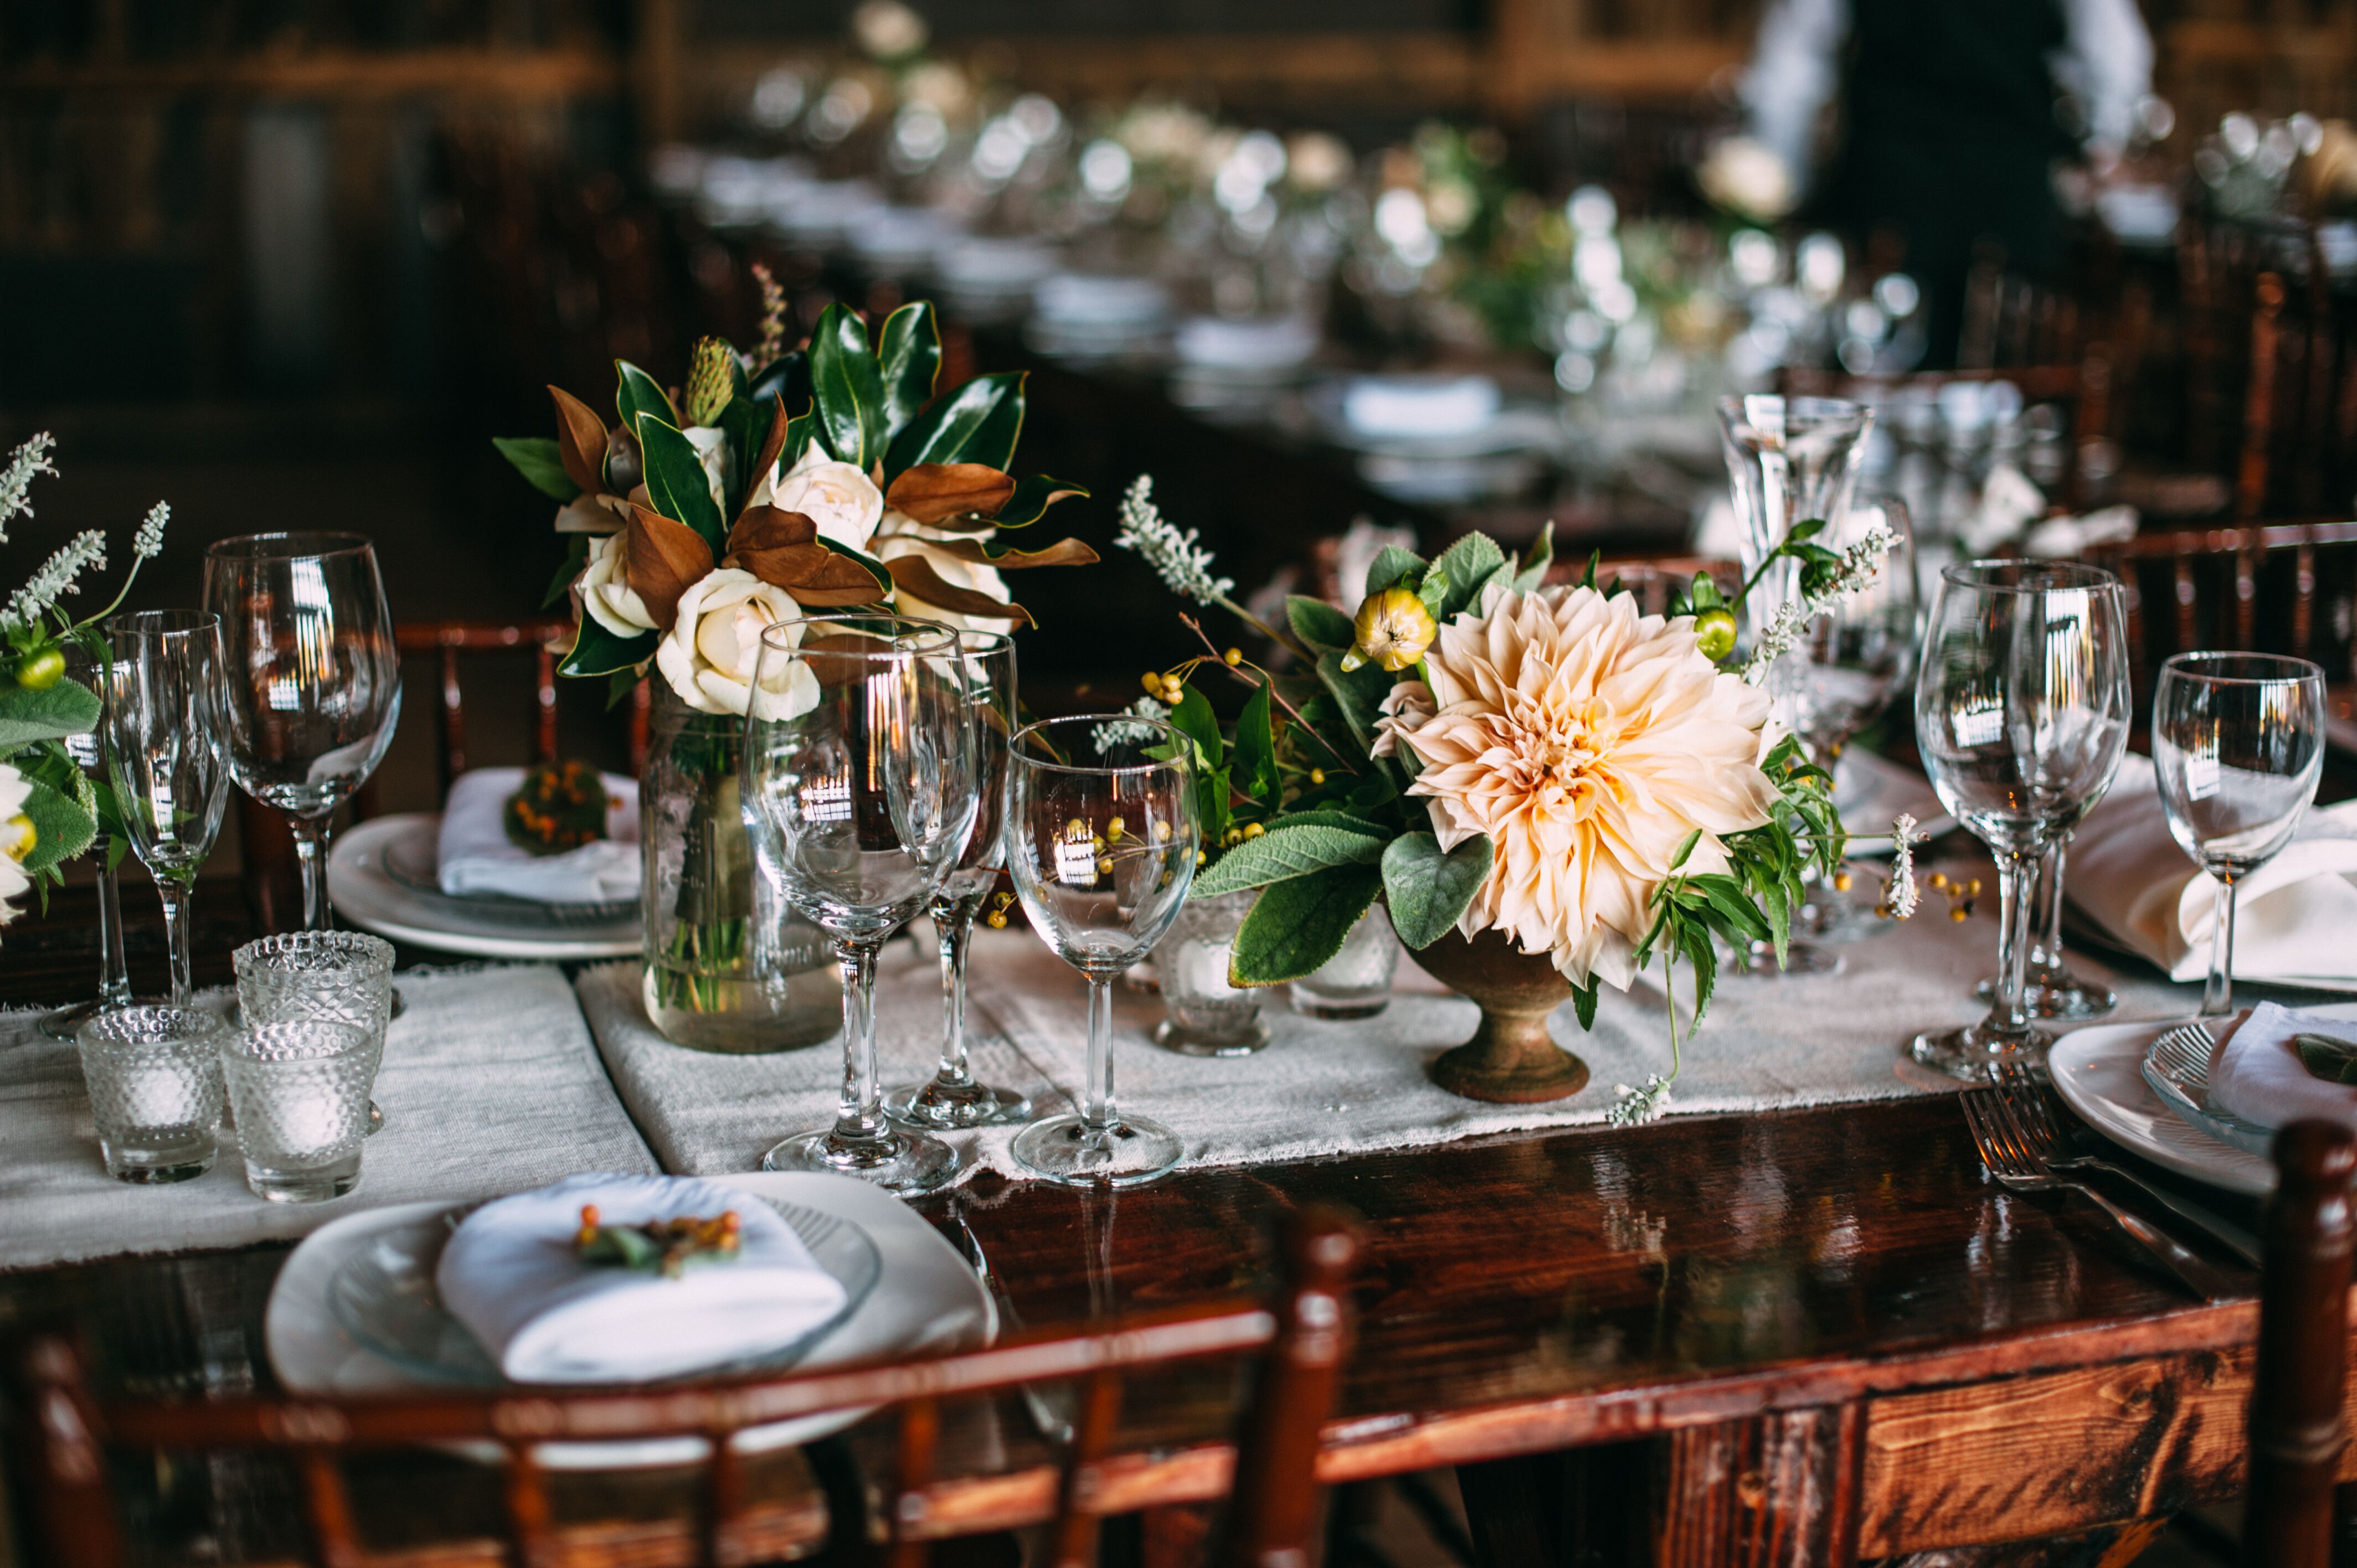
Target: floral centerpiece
1547,787
824,476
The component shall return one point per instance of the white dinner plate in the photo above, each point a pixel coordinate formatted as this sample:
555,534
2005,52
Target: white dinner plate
368,894
926,1302
2099,1072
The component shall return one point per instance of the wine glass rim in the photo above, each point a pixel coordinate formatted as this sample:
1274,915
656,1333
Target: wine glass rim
2060,574
163,623
2180,666
1049,764
1738,405
289,546
922,636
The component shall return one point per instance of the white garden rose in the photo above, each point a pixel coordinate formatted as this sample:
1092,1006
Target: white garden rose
710,652
901,535
17,838
711,444
843,501
608,599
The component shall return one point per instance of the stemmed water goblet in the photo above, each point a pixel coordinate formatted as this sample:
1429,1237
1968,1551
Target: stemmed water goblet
2021,715
2237,749
314,679
168,755
1102,845
859,759
984,668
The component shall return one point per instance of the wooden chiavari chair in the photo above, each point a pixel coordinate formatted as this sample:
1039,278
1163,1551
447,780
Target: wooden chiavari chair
2296,1432
68,1435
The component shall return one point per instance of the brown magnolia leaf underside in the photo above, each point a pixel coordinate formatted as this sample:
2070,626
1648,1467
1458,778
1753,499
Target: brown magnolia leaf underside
773,443
1064,552
916,577
782,548
661,561
934,492
580,441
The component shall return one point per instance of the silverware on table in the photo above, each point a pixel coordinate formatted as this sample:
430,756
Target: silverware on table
2185,1052
2026,1105
1052,1422
2012,1165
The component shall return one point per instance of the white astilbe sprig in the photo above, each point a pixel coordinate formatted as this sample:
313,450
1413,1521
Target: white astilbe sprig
1129,732
148,543
1634,1107
1858,565
55,580
16,478
1182,562
1899,894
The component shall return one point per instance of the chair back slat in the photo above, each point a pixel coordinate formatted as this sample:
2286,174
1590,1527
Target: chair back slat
329,1510
1079,1492
920,1440
55,1448
2259,400
2297,1430
524,1493
449,640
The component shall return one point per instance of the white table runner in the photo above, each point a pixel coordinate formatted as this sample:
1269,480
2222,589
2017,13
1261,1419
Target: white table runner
490,1085
1320,1089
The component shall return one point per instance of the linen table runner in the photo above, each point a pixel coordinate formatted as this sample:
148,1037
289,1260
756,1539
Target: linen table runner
490,1085
1320,1088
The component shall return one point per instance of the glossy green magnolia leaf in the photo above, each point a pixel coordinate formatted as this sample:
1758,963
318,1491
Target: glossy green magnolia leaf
846,388
597,651
1319,624
1283,853
1428,891
1034,494
637,392
67,708
978,423
909,354
872,566
786,377
576,555
537,460
63,825
747,423
677,484
1297,924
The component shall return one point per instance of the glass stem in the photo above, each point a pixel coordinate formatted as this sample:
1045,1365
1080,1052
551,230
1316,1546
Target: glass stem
2046,941
113,974
952,926
2014,874
1097,1112
175,899
859,1114
2218,995
311,850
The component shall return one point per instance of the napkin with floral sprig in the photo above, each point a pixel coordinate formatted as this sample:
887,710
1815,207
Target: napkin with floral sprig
476,854
2275,1065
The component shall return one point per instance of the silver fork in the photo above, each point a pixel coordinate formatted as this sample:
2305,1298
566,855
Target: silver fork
2184,1054
2012,1166
2027,1110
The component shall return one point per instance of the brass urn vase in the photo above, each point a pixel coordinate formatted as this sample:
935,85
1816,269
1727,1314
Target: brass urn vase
1511,1059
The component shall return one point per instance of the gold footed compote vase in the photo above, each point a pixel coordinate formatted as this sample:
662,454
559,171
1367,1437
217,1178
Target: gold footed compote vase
1511,1059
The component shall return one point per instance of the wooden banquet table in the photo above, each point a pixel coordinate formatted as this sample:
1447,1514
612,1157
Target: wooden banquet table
1816,1335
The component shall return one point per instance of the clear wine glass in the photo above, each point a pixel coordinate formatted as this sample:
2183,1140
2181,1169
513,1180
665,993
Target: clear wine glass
2237,749
2021,715
314,679
1102,845
951,1098
94,667
168,755
859,757
2052,988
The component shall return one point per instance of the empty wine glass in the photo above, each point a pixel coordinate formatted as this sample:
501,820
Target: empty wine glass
859,757
314,679
2021,714
168,755
951,1098
1102,844
94,667
2050,988
2237,749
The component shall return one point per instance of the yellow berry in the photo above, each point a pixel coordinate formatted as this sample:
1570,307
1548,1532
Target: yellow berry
1201,855
1113,829
1104,866
995,919
1233,657
41,669
1974,891
1959,914
1841,881
1161,830
1940,881
1153,683
1318,776
1253,830
1098,843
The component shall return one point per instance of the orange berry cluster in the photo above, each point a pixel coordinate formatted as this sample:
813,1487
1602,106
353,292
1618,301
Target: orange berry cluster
672,1242
560,806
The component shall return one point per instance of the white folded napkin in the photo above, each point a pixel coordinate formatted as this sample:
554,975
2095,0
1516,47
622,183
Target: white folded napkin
1419,406
511,1273
2258,1075
474,854
2293,922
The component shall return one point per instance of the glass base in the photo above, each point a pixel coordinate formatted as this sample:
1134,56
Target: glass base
1976,1053
2072,998
65,1022
933,1103
898,1160
315,1184
1130,1153
1173,1035
1317,1007
1800,958
182,1159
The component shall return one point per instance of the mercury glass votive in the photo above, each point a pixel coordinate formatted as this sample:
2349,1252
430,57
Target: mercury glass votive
1207,1017
154,1080
1356,983
343,977
300,1091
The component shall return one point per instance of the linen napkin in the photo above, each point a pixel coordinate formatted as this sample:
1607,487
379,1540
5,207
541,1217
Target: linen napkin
2293,923
475,855
510,1272
2258,1076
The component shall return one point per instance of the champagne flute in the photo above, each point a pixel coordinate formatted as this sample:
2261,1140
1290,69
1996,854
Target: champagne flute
859,756
94,667
2237,749
166,754
951,1098
2021,714
1102,853
314,679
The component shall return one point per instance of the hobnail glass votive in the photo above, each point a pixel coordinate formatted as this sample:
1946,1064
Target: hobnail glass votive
300,1091
154,1080
1207,1017
343,977
1356,983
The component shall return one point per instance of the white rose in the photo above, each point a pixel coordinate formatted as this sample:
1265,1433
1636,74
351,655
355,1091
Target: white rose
609,600
903,536
1747,177
593,514
843,501
711,444
16,839
710,653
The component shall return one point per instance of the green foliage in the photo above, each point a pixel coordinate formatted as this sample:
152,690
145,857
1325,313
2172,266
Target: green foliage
1469,563
1533,567
63,824
1394,566
1429,890
1254,773
1356,694
978,423
847,387
576,555
909,352
747,423
1297,924
677,482
1319,624
65,708
597,651
1034,494
1283,852
636,393
536,459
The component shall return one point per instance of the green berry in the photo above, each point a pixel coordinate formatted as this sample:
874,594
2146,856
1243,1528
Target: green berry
1714,634
41,669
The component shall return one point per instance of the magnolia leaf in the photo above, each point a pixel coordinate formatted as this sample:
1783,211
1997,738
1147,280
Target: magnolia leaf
879,578
1064,552
783,549
915,576
1255,763
847,388
677,486
637,392
934,492
1034,494
1469,562
580,443
576,555
978,423
1319,624
1427,890
67,708
1281,852
542,462
784,381
1296,925
909,354
1391,566
661,561
63,826
597,651
1533,567
747,423
774,442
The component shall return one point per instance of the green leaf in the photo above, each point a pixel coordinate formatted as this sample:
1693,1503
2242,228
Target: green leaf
1034,494
67,708
847,386
1535,566
1319,624
576,555
1469,562
1807,528
597,651
747,423
787,377
1194,718
1255,769
1427,890
536,459
677,484
1583,1003
1703,958
63,826
620,684
1322,819
1686,848
637,392
976,424
1283,852
876,569
1357,694
909,352
1391,566
1297,924
800,431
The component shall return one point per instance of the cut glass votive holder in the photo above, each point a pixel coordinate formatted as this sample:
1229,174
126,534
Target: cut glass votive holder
155,1078
300,1091
1356,983
1206,1016
342,977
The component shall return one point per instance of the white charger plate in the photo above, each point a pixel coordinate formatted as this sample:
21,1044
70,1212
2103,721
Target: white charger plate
368,895
926,1302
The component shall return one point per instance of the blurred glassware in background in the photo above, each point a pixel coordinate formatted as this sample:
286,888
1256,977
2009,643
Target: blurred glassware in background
1356,983
1205,1015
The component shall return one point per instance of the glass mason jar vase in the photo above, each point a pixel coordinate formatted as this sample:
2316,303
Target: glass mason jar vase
1356,983
729,966
1207,1017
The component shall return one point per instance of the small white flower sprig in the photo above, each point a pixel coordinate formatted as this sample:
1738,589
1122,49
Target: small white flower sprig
1183,563
1900,894
1130,731
16,478
1824,585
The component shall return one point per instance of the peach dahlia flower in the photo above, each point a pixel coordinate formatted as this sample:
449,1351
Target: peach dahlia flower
1588,741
